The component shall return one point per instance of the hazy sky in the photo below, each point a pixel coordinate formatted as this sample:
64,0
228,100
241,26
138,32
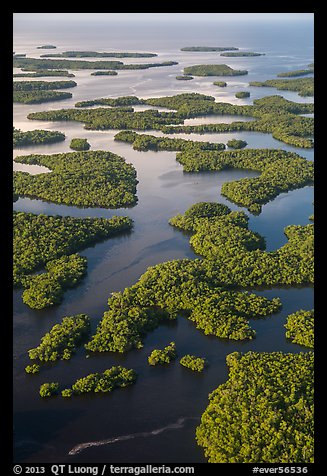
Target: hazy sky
166,16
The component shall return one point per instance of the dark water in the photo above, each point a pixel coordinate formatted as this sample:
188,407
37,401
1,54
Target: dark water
154,420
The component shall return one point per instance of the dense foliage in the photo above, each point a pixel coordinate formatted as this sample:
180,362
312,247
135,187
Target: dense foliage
114,102
184,77
44,73
263,413
273,114
241,53
280,171
236,144
47,289
79,144
104,73
206,290
38,239
163,356
96,54
46,47
42,85
110,118
62,340
32,369
203,289
304,86
298,72
88,178
213,70
37,97
221,84
49,389
48,63
300,328
145,142
209,48
115,377
37,136
242,94
194,363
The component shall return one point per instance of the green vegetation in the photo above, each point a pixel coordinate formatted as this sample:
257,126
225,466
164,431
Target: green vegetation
145,142
49,389
242,94
241,53
280,171
39,239
35,92
164,356
37,97
42,85
221,84
62,340
273,114
191,362
236,144
208,48
44,73
79,144
96,54
298,72
115,377
111,118
300,328
207,291
47,289
104,73
234,255
48,63
46,47
263,413
32,369
304,86
184,77
114,102
88,178
37,136
213,70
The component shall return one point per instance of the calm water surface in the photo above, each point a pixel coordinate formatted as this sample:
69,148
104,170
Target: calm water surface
171,399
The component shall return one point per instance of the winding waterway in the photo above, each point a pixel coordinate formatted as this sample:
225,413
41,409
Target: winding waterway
154,420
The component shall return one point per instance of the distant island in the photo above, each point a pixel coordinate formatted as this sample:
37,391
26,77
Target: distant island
46,47
213,70
221,84
184,77
303,86
209,48
62,63
242,94
242,53
297,72
44,73
96,54
104,73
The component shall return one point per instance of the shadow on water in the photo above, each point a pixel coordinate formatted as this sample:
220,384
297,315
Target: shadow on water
35,430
